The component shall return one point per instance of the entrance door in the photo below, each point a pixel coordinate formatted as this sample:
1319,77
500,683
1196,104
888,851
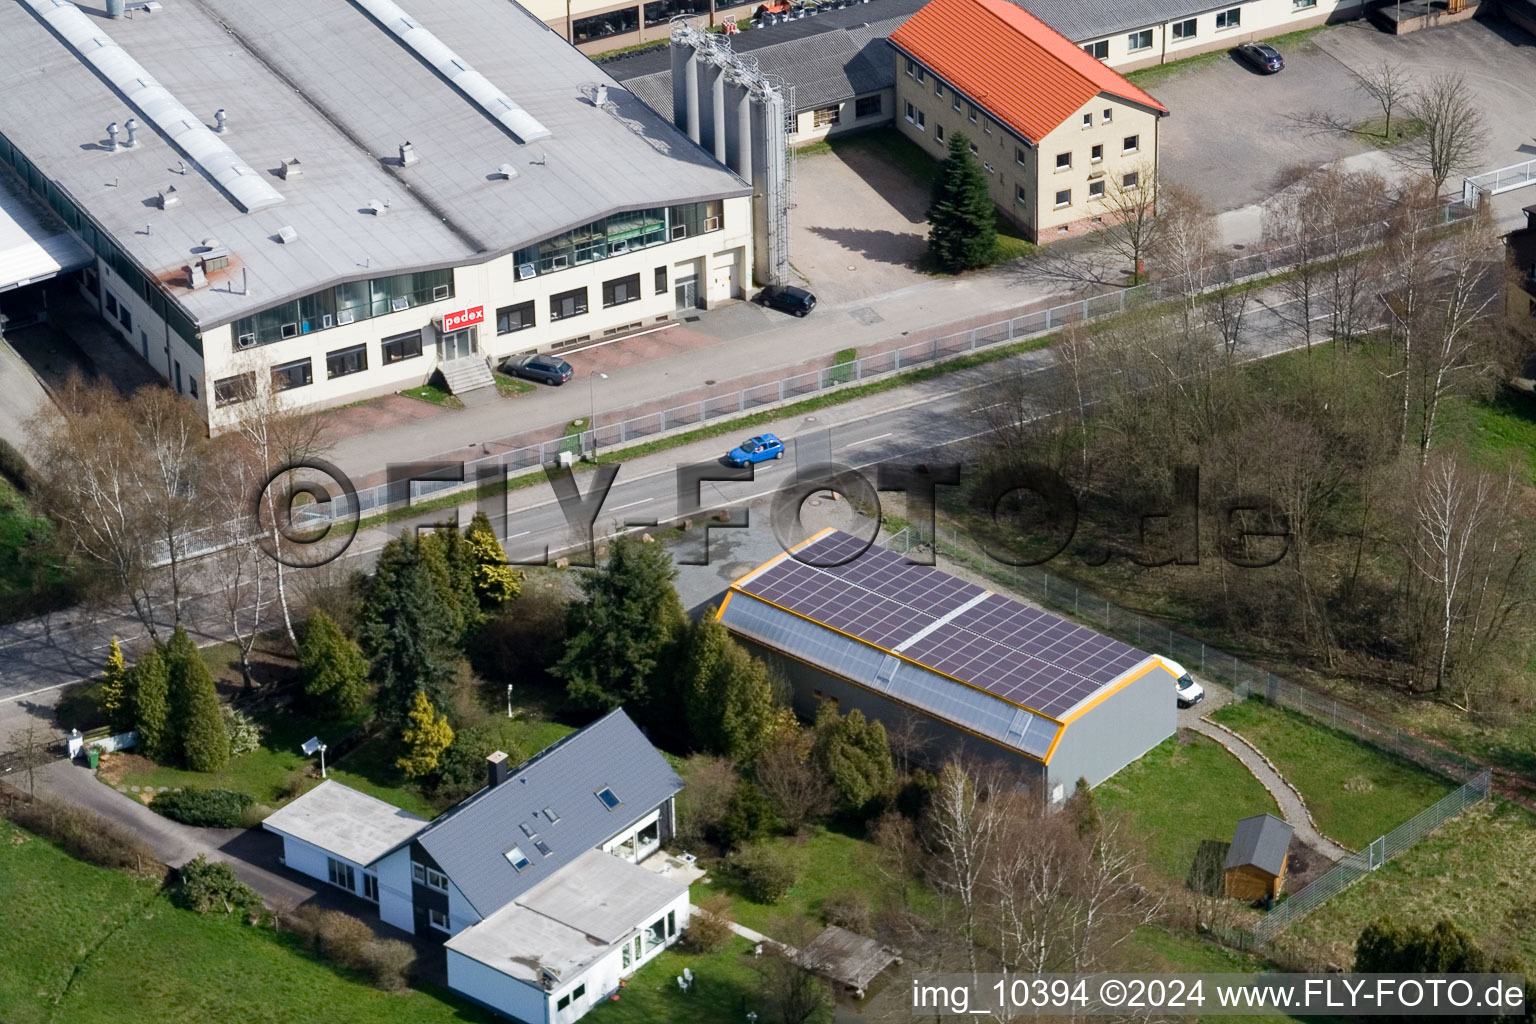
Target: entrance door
687,292
456,344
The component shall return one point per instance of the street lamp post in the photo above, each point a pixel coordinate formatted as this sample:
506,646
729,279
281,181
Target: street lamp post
509,700
592,408
313,746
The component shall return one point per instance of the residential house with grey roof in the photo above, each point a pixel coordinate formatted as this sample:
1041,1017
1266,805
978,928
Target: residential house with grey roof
535,882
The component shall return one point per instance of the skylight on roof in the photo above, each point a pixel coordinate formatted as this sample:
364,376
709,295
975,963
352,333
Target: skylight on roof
609,799
550,815
527,829
517,858
542,847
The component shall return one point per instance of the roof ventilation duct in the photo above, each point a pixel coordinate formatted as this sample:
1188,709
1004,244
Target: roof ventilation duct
506,171
195,276
115,8
168,197
112,137
291,169
287,234
408,157
130,126
377,207
220,121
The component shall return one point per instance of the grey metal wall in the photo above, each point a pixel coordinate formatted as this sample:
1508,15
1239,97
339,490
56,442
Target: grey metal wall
940,740
1116,732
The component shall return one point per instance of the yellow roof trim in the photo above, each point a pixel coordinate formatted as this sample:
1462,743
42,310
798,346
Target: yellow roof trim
1130,677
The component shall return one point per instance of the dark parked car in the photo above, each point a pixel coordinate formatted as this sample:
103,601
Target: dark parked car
545,369
1261,57
789,299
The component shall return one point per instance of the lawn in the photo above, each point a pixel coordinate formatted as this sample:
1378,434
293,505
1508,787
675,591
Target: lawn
725,988
1478,869
80,943
1355,792
434,394
509,385
1495,430
831,861
1180,793
1150,77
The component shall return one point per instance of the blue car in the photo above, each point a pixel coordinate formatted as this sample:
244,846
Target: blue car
756,449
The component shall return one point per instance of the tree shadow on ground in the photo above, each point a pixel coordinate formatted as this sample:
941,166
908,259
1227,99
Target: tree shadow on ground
893,247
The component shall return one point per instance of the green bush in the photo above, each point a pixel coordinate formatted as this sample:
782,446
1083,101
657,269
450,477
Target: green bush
83,835
204,808
212,887
244,734
769,872
750,816
848,908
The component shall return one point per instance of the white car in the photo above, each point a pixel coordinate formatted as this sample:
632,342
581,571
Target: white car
1189,692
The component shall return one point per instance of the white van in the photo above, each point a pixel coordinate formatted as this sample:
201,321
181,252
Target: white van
1189,692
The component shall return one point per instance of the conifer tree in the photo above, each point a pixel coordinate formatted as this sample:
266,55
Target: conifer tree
197,719
962,232
149,684
496,582
115,699
727,696
622,634
427,736
855,753
332,667
451,567
407,631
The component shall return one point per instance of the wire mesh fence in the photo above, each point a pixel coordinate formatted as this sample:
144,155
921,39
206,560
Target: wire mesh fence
1245,680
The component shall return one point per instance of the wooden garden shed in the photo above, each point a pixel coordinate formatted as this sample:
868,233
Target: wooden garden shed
1255,865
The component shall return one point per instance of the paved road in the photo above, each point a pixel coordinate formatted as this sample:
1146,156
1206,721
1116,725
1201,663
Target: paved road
39,657
253,855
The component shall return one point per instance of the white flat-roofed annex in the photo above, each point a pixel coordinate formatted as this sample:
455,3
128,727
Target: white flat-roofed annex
340,820
326,84
569,920
33,245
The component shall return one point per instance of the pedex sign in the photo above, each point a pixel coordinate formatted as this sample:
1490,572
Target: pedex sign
463,318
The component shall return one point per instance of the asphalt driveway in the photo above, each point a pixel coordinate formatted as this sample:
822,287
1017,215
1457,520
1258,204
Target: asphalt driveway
1236,136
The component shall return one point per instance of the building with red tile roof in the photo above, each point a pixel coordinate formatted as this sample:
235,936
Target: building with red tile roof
1065,140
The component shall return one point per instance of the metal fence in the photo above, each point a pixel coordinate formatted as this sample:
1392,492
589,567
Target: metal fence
1020,325
1494,182
1245,680
1357,865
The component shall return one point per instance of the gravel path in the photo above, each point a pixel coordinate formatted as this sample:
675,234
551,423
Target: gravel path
1292,807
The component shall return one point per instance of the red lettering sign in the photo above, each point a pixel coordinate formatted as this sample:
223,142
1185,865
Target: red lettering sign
464,318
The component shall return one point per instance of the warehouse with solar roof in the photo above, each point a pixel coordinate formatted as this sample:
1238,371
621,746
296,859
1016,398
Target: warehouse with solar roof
978,672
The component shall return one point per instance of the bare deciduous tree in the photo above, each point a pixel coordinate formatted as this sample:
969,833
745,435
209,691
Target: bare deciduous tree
1130,214
1454,131
244,574
1185,249
1388,84
1468,550
171,443
799,789
960,830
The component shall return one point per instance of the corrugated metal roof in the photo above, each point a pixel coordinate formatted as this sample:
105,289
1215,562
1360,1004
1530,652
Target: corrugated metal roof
470,842
1260,841
1026,74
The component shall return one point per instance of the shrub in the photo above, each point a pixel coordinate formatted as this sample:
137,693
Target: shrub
212,886
709,927
461,769
349,943
244,734
769,872
204,808
332,667
83,835
298,782
254,815
708,784
749,817
848,909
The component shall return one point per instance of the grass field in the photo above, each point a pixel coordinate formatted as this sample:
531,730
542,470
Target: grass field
725,988
831,861
79,943
1181,793
1478,869
1355,792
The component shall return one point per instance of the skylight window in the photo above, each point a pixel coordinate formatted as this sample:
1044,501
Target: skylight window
527,829
609,799
517,858
550,815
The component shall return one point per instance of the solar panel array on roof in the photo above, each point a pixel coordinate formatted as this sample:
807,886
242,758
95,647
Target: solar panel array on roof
1021,654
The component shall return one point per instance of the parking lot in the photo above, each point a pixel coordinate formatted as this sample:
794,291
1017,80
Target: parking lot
858,226
1234,134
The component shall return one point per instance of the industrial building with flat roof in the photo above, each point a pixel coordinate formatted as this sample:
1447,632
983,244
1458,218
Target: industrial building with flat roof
335,200
976,671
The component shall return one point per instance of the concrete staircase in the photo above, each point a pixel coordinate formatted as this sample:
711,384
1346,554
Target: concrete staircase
467,374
